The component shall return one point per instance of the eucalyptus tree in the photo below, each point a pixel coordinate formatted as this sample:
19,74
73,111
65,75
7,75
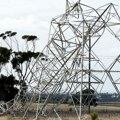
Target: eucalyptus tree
7,88
17,58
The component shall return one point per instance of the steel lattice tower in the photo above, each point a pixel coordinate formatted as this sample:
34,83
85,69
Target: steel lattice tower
71,64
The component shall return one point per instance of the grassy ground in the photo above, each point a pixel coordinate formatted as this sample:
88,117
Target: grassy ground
104,111
66,118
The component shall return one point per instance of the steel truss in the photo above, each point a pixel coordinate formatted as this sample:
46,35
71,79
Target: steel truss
71,64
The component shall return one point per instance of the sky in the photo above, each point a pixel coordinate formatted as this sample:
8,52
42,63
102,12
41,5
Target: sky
29,16
33,17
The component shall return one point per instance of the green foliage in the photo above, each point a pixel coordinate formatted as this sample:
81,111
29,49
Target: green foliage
70,109
10,33
7,34
4,55
8,80
21,57
2,34
29,37
88,97
21,63
4,37
88,91
13,34
94,116
7,89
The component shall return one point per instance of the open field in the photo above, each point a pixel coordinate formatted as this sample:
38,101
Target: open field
64,118
109,111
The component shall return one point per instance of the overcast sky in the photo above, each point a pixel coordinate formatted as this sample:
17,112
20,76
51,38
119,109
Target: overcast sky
29,16
34,16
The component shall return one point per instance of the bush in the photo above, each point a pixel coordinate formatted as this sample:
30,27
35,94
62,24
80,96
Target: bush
70,109
94,116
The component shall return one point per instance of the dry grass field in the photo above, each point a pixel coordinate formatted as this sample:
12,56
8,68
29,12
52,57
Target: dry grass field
64,118
104,111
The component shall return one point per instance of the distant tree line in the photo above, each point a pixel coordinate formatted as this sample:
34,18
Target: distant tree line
88,97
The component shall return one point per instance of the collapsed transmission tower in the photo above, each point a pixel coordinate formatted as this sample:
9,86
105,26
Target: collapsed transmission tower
71,64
